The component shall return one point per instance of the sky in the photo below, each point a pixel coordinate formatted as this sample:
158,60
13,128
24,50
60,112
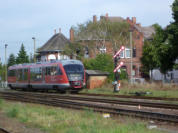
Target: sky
20,20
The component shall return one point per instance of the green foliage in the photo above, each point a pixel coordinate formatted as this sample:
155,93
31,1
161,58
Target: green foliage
13,112
103,30
175,10
74,49
2,72
148,61
123,75
172,31
103,62
175,66
22,56
11,60
157,53
72,121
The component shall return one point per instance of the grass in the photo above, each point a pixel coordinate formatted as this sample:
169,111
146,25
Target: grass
155,89
55,120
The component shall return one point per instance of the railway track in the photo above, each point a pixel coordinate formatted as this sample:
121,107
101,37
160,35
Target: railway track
130,97
96,104
103,100
3,130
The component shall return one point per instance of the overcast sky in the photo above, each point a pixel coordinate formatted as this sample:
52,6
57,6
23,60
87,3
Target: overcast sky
20,20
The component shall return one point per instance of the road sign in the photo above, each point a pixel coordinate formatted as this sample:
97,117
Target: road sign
120,50
121,63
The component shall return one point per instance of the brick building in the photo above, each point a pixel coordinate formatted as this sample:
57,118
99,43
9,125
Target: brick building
140,34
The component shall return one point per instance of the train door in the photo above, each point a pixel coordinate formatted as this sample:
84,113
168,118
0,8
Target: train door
43,74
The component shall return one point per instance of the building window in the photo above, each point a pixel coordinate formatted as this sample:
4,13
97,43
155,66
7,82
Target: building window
134,52
122,54
127,53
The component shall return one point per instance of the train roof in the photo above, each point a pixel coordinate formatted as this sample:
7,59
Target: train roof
63,62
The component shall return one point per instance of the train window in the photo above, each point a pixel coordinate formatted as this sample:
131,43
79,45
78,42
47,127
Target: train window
36,74
48,71
59,72
25,74
19,74
73,68
53,70
11,73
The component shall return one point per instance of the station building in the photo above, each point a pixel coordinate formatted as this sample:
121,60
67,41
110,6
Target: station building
105,46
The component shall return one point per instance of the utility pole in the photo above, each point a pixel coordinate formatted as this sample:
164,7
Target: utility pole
131,62
6,65
34,56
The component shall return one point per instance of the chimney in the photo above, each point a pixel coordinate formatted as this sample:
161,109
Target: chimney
59,30
138,24
134,20
106,16
71,35
54,31
94,19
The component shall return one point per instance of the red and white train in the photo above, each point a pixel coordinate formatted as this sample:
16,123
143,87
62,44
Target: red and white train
59,75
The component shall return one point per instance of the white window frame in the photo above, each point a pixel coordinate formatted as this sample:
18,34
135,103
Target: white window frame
127,49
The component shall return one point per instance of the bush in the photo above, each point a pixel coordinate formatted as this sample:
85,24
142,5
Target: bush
123,75
103,62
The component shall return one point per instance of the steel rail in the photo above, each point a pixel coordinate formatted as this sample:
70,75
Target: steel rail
100,108
105,100
3,130
132,97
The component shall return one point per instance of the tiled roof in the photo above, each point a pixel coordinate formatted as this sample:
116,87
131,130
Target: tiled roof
56,43
96,73
147,31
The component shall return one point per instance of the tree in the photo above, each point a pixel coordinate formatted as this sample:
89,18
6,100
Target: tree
163,50
147,59
103,62
2,72
11,60
100,32
74,50
22,56
172,31
157,53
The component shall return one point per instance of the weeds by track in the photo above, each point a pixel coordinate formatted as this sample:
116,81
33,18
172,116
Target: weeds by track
94,103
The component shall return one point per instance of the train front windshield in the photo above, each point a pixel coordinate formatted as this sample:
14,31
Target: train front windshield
74,72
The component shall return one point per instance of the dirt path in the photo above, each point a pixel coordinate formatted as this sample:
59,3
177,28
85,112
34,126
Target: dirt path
13,126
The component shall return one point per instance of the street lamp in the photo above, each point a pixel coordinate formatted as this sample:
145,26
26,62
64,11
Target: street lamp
34,50
131,62
6,65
